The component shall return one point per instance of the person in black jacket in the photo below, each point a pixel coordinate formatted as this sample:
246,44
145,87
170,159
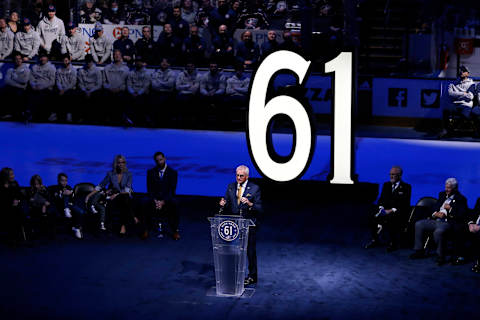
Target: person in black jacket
243,198
12,215
145,46
393,206
161,190
125,45
450,212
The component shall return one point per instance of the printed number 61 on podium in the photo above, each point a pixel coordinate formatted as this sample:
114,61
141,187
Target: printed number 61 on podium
260,115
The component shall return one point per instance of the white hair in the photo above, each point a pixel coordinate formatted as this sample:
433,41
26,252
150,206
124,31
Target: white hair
453,182
244,168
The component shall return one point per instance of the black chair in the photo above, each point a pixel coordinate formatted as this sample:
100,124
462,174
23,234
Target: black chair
456,124
422,210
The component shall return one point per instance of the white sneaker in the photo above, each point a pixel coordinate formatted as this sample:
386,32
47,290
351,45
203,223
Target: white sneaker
68,213
69,117
53,117
102,226
78,233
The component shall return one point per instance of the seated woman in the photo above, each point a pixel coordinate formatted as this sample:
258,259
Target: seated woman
39,204
118,186
11,206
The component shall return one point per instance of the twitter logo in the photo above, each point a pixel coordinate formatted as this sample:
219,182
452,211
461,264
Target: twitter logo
430,98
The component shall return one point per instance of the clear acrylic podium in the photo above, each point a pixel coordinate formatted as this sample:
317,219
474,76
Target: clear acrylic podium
229,240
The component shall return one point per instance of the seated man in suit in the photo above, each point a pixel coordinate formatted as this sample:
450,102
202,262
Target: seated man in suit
450,211
393,206
243,198
161,189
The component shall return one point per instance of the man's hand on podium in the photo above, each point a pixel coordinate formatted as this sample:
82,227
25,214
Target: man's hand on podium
159,204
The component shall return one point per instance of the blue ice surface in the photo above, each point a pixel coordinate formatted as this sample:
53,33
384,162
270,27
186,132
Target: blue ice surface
206,160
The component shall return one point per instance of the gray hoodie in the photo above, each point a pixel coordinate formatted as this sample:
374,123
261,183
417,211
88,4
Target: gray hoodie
163,81
211,82
6,43
115,76
138,81
462,92
89,80
74,46
27,43
187,83
237,86
18,77
100,48
43,76
50,31
66,78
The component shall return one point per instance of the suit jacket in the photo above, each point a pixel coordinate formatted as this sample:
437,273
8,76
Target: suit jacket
458,212
252,193
399,199
164,188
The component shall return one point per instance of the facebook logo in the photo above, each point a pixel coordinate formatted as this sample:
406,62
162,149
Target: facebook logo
430,98
397,97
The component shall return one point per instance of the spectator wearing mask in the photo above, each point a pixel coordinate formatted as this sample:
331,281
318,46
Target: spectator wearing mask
248,51
42,81
114,15
66,81
168,45
100,46
73,44
223,47
27,42
163,85
138,86
89,81
114,84
16,80
194,47
51,30
145,46
6,40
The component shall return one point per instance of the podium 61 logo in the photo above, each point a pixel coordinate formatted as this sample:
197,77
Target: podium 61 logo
228,230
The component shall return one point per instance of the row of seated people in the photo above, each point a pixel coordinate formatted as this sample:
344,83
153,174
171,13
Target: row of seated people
110,206
140,95
448,218
177,46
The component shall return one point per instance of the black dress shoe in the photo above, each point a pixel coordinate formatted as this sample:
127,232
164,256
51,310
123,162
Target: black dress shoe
440,261
249,281
419,254
372,244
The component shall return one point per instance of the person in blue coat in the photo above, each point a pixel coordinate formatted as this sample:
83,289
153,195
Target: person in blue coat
243,198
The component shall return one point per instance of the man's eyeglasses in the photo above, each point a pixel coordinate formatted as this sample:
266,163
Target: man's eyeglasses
240,175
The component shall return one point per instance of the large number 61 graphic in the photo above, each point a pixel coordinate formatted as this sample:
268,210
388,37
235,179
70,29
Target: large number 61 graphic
260,115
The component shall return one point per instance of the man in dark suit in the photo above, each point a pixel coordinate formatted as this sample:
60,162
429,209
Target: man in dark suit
450,213
161,190
243,198
393,206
